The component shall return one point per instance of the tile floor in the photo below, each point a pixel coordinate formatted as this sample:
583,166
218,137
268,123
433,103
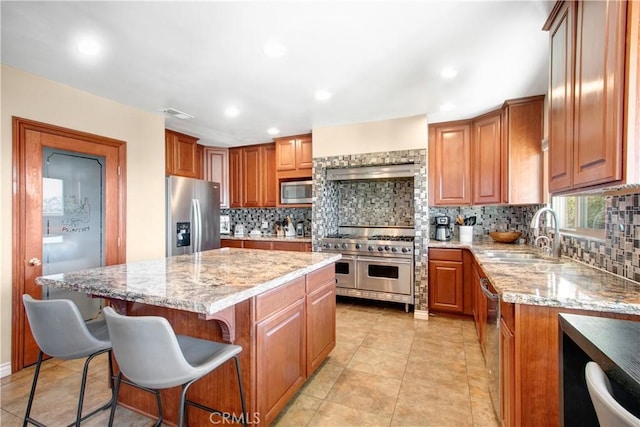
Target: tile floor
387,369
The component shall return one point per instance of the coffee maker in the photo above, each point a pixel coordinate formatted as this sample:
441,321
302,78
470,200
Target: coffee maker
442,228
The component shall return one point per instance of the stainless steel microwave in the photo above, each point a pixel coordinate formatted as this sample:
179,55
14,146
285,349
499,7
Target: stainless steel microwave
296,192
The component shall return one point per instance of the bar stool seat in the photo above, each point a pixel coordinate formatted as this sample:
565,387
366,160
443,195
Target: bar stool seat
608,410
150,354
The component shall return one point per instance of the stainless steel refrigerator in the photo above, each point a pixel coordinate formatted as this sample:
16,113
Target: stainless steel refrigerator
193,215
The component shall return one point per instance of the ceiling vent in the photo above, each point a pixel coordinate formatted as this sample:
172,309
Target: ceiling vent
177,114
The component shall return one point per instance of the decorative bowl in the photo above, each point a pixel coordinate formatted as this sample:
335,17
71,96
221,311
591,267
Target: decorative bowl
505,236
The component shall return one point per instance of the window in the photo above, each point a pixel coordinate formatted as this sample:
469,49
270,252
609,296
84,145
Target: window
583,215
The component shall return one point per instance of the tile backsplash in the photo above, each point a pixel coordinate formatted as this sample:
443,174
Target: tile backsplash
252,218
380,202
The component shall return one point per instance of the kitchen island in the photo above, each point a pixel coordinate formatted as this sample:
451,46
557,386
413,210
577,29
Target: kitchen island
279,306
532,295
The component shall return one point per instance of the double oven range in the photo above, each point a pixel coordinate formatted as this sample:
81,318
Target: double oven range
377,262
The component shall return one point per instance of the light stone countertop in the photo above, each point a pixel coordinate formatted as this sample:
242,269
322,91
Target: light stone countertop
204,283
568,284
266,238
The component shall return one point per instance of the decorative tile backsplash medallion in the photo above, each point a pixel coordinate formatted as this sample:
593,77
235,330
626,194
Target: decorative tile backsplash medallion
252,218
390,201
488,219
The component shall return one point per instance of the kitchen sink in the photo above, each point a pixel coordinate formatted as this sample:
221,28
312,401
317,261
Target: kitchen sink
520,258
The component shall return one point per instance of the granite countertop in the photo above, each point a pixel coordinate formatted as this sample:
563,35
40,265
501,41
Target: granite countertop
205,283
266,238
569,284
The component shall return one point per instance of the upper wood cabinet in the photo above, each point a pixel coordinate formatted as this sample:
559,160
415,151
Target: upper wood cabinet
294,155
181,155
491,159
450,163
216,169
587,93
485,159
252,176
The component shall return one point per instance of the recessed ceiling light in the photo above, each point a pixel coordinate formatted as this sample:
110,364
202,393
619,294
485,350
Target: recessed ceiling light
273,131
447,106
274,49
231,112
89,46
323,95
448,73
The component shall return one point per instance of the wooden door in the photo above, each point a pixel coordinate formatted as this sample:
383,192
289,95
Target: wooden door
280,369
235,177
29,139
446,286
599,96
216,169
450,164
485,164
304,152
252,177
562,34
269,182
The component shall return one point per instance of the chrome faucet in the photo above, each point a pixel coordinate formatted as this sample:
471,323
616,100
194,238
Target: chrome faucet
535,224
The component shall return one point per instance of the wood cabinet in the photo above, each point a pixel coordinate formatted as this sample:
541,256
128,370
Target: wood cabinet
294,154
295,331
276,245
446,280
216,169
587,93
486,159
280,347
252,176
182,155
450,163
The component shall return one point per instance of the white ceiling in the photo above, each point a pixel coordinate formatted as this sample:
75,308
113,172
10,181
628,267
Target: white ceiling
379,59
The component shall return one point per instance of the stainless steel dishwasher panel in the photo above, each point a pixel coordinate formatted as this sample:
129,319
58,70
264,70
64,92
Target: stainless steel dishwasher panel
493,342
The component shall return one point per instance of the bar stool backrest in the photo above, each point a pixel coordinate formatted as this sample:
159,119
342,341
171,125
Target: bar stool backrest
608,410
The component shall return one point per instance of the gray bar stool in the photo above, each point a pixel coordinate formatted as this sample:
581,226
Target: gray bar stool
59,330
150,354
608,410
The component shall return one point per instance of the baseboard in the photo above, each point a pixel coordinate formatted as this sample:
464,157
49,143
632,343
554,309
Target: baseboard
5,369
421,314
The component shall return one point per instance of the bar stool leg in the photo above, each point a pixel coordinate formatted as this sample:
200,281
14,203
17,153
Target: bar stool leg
27,415
244,410
115,400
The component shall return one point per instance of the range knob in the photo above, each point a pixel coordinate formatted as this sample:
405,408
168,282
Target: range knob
370,248
386,248
405,250
358,245
344,246
327,245
394,249
336,246
380,249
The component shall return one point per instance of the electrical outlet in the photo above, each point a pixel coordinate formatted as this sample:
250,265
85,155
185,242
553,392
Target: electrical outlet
264,225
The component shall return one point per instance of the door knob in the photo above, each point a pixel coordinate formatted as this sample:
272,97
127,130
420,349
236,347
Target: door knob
35,262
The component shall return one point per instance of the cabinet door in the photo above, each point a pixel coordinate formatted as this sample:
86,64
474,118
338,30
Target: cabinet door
450,164
235,177
252,177
216,169
321,325
485,154
599,96
286,154
258,244
507,376
169,144
445,286
281,358
228,243
288,246
269,183
304,153
561,99
199,161
185,156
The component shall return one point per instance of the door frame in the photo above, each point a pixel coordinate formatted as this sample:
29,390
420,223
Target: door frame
19,197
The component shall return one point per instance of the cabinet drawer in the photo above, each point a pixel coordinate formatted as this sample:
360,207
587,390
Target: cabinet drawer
288,246
445,254
257,244
228,243
319,278
279,298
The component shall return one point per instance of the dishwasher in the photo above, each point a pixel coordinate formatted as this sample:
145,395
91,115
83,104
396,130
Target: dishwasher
493,352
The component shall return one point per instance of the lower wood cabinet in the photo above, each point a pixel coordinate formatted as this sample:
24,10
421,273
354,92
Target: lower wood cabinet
275,245
321,317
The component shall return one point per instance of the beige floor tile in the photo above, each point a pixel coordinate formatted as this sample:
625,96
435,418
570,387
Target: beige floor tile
348,334
299,412
400,342
332,414
365,392
483,414
9,420
323,379
380,362
396,322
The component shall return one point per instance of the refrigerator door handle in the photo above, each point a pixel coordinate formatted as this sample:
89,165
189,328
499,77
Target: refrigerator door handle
195,226
199,230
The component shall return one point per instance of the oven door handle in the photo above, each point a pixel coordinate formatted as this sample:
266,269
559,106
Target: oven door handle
385,260
347,258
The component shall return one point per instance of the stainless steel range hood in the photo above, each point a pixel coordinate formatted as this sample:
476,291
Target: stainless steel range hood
371,172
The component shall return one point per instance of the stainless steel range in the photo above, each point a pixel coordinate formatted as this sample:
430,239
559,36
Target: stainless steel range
377,262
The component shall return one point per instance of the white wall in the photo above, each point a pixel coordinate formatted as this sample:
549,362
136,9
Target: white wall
31,97
387,135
